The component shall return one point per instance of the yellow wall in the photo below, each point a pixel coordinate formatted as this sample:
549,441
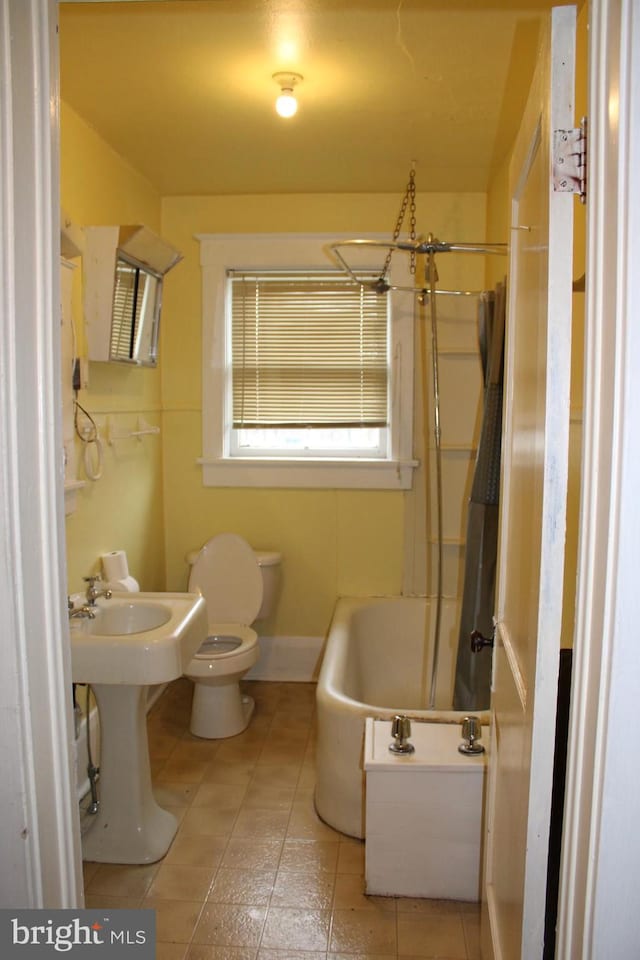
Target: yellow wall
333,542
122,510
151,492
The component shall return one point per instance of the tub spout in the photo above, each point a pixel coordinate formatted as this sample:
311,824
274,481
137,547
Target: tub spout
401,731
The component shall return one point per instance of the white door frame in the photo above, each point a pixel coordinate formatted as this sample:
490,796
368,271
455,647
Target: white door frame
40,861
598,901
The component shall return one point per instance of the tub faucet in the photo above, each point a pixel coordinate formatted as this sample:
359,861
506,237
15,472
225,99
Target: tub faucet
401,731
93,592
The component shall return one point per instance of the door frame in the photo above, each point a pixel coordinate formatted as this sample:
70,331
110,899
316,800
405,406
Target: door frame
40,831
597,916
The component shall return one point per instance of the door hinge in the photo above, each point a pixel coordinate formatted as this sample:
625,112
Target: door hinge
570,160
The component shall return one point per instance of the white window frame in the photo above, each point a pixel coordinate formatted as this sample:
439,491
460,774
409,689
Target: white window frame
222,252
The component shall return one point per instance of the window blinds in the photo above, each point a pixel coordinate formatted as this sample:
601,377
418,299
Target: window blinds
308,349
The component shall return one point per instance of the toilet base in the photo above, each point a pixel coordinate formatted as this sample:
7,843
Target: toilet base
219,711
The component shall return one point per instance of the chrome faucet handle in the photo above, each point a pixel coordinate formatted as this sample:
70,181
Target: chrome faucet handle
92,592
401,731
471,733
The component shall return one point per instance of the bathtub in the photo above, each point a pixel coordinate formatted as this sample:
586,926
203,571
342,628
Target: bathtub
377,662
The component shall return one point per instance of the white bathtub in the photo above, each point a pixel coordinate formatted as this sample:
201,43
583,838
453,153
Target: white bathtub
377,662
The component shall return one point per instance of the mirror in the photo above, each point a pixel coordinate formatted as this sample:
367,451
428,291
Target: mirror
124,269
135,318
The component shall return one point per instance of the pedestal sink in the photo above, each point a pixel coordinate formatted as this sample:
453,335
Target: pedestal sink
135,640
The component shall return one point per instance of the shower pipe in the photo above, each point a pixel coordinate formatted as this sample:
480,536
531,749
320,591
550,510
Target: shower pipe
427,248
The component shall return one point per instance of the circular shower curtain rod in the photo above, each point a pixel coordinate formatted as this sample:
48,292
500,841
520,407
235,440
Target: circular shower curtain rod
428,247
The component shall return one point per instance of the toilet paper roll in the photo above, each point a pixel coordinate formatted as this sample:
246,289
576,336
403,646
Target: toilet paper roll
129,584
114,565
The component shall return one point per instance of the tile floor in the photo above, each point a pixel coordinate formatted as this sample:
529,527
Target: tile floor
253,873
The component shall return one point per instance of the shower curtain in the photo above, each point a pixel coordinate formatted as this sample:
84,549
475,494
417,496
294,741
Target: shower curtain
473,670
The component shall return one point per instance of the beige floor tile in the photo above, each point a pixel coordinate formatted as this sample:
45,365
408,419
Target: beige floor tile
430,908
161,743
88,870
305,824
290,954
309,856
198,951
242,886
171,951
122,880
174,794
288,928
182,769
268,798
350,895
180,882
222,796
351,857
292,889
197,749
230,925
175,919
286,730
229,771
101,901
256,824
248,750
178,812
471,927
196,851
363,931
361,956
276,775
276,754
435,936
307,778
249,855
208,822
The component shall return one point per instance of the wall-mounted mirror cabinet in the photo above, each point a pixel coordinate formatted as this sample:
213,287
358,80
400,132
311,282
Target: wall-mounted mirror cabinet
124,268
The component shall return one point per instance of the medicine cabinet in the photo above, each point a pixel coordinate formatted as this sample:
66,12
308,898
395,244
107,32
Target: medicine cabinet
124,268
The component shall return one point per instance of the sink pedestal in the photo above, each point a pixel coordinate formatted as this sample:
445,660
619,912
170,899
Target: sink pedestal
129,827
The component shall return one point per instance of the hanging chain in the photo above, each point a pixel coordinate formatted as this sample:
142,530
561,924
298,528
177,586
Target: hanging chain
409,200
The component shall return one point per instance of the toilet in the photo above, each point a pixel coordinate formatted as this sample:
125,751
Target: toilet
239,586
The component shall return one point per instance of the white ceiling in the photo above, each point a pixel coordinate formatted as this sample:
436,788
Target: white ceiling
183,90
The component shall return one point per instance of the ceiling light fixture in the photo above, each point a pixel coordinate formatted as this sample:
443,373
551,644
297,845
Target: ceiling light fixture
286,104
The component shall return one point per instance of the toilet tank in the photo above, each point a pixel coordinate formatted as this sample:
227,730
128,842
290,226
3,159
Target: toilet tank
270,562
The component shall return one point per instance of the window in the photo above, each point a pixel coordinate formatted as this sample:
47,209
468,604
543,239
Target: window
307,375
308,372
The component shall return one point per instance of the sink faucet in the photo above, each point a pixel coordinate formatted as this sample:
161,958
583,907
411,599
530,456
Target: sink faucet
93,592
84,612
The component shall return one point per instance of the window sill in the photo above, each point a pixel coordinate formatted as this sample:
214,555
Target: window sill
308,473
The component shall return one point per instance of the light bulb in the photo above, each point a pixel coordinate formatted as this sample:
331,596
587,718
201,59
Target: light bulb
286,104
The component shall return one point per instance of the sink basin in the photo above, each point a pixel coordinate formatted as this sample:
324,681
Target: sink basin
121,619
138,639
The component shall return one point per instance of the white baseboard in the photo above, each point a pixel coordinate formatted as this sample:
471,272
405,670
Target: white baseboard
295,659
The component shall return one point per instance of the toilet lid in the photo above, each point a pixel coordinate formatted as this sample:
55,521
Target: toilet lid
227,574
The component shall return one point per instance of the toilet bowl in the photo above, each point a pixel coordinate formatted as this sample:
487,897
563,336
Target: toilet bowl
229,575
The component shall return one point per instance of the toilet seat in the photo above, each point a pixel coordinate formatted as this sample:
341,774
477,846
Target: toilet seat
241,652
219,644
227,573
